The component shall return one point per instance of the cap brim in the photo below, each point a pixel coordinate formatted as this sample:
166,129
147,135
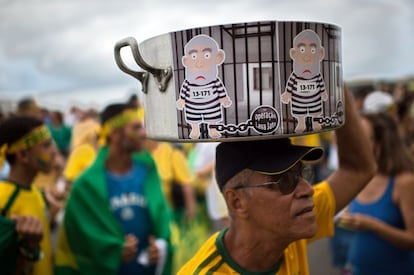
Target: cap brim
270,156
272,165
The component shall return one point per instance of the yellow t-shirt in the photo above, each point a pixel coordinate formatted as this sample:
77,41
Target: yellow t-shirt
313,139
212,257
30,202
307,140
79,159
171,165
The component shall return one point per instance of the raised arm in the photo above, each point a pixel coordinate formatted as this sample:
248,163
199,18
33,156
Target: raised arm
356,162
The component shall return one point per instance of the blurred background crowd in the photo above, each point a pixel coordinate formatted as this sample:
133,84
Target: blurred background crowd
187,169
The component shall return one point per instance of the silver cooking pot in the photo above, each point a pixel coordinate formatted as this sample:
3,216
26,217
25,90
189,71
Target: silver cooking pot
253,80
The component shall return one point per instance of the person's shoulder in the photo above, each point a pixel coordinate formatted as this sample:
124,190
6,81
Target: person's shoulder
84,149
204,253
178,153
6,188
404,182
405,178
145,158
166,147
5,184
322,186
323,193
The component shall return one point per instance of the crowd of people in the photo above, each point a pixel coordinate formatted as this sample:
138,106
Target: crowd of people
120,203
167,198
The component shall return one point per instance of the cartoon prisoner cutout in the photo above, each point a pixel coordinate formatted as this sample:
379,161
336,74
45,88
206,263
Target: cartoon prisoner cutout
202,93
305,88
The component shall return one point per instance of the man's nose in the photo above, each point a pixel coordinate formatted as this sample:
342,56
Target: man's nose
304,188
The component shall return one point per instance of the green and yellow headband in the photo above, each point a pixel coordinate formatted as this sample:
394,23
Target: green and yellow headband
121,120
31,139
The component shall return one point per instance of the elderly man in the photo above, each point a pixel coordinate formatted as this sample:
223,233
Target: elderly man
274,211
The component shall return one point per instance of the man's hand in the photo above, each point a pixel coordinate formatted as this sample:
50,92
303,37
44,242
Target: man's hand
153,252
130,248
29,228
55,199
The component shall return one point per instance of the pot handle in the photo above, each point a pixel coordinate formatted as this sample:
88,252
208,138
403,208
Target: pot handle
161,75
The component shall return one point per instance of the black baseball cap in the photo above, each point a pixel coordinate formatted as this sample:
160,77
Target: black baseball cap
269,156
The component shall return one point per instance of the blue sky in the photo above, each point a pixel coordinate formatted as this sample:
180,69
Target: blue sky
57,46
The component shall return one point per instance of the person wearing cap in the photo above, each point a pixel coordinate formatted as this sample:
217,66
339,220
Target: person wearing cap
116,220
26,143
274,211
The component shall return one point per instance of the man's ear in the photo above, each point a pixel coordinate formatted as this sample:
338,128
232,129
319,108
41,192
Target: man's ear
22,156
236,202
115,134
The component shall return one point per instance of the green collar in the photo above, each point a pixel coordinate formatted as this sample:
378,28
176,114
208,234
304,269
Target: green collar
226,257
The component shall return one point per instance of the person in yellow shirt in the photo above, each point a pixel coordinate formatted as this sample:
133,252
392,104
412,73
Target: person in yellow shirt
177,185
83,152
172,167
45,182
274,211
27,145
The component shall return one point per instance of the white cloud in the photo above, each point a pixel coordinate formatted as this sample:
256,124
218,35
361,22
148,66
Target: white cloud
61,45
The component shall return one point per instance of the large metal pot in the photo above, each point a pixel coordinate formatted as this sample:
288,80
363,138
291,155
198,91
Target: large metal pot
252,80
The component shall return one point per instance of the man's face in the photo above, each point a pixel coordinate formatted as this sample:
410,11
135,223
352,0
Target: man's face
289,217
201,64
42,156
306,56
133,136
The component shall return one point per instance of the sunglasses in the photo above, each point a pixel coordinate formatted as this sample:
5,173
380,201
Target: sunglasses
286,182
